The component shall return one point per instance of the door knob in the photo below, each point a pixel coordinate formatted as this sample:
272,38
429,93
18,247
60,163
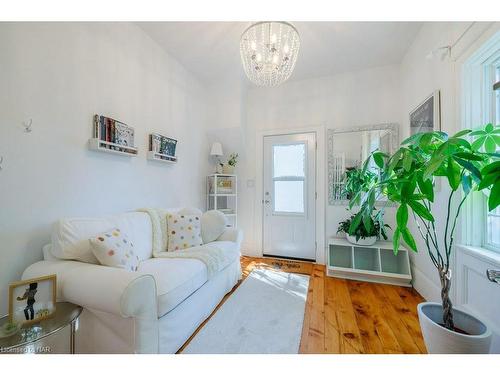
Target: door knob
493,276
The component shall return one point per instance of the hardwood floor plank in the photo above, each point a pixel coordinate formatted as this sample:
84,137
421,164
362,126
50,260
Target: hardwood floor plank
407,311
396,324
341,314
316,332
365,318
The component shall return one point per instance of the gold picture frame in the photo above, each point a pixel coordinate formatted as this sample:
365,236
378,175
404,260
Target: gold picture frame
36,303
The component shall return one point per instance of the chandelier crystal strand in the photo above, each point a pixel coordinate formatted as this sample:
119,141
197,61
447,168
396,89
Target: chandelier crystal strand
269,51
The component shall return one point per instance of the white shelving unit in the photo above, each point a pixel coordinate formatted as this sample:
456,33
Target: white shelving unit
156,156
97,144
375,263
222,195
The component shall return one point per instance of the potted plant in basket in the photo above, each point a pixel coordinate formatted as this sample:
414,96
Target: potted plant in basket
407,178
361,235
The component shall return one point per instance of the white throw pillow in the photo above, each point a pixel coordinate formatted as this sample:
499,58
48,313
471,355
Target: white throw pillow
70,237
184,231
114,249
190,211
213,224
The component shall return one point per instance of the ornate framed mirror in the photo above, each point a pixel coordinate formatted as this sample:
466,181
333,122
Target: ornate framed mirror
349,148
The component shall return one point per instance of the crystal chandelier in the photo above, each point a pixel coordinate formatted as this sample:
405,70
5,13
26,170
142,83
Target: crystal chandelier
269,51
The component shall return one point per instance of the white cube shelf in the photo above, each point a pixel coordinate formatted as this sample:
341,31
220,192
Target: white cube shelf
375,263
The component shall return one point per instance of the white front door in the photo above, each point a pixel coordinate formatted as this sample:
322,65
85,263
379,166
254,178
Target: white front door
289,200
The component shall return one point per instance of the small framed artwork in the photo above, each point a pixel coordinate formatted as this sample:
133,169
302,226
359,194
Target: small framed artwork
427,116
32,300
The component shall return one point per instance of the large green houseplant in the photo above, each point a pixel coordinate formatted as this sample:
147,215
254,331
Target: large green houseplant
468,161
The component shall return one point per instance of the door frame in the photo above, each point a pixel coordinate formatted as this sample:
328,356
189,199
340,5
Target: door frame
320,132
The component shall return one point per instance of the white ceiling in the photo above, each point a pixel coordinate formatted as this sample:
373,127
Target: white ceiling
210,50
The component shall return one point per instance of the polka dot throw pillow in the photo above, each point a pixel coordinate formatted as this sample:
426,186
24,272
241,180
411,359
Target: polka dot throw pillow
114,249
184,231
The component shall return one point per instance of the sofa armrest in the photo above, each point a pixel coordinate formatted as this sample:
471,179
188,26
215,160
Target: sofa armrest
107,289
232,234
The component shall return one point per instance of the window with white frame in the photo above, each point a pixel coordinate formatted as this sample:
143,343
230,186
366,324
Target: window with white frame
492,235
481,105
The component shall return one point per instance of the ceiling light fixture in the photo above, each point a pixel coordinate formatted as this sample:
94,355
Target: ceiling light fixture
269,51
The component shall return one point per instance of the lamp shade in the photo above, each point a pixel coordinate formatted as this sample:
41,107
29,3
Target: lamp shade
216,149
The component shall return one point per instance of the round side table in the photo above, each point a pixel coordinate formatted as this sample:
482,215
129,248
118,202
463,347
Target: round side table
67,314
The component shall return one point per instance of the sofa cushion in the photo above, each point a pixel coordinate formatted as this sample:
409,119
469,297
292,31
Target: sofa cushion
213,224
176,279
184,231
70,237
115,249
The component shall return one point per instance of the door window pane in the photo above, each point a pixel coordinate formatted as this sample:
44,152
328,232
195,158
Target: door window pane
289,196
289,160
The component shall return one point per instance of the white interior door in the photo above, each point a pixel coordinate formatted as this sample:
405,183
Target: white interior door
289,201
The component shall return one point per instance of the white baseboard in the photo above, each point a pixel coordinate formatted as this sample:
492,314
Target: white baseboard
427,289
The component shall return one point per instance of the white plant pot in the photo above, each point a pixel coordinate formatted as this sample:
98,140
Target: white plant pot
367,241
439,340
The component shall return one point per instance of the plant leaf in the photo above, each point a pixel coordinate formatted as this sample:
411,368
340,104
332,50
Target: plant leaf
494,199
495,166
426,187
408,238
434,164
421,210
468,156
379,160
407,161
453,174
413,139
478,143
490,144
395,240
470,167
462,133
355,222
467,184
402,216
478,132
489,128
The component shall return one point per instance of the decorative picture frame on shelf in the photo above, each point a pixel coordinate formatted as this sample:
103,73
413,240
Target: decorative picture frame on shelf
162,148
32,300
426,117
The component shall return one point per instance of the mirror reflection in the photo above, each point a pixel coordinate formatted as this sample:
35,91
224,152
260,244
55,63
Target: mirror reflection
348,149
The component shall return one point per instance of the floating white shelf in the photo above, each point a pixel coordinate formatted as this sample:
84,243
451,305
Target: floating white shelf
152,155
375,263
97,144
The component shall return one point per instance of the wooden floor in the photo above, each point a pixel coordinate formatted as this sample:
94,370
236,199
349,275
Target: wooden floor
344,316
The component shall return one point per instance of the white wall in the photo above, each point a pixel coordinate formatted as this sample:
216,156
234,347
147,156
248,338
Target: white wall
420,76
60,75
340,101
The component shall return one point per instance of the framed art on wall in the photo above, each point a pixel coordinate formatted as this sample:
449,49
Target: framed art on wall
427,116
32,300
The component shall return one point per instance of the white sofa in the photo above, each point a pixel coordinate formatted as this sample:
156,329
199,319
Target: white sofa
153,310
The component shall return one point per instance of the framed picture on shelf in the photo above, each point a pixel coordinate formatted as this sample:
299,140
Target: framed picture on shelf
32,300
427,116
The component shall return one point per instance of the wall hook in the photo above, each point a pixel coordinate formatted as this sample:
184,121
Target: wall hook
27,126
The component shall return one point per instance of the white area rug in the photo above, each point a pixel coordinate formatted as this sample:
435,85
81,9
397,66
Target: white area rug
264,315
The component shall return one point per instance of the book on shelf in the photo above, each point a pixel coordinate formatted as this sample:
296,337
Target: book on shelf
164,147
113,131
